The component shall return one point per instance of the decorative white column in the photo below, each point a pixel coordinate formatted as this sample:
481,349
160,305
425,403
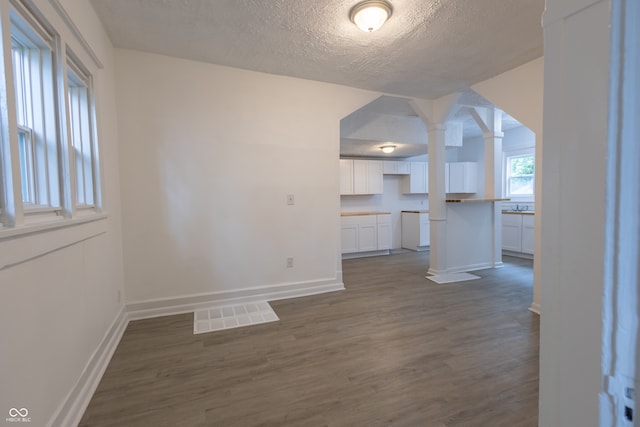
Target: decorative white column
437,197
493,183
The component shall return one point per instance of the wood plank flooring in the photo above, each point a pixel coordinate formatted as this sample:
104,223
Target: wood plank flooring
393,349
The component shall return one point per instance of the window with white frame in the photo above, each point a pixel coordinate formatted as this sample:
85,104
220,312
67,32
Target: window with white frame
34,92
48,147
519,174
81,131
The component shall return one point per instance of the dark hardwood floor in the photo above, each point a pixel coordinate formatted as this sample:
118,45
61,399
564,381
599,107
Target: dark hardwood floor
393,349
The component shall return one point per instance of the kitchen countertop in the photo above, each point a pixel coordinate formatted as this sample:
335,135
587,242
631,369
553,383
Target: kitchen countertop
363,213
519,212
418,212
475,200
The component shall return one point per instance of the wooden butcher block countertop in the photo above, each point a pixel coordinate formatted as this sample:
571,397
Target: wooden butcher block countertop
363,213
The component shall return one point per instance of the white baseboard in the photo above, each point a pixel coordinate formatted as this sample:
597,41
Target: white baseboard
465,268
70,412
535,308
516,254
366,254
178,305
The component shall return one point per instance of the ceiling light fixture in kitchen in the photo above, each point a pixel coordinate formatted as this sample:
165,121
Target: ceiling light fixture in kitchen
370,15
388,148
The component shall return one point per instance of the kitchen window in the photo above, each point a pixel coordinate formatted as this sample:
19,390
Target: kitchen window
519,174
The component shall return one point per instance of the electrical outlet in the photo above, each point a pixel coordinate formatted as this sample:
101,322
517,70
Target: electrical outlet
290,262
291,199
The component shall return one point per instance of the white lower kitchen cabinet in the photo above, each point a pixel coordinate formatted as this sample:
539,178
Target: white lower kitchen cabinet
384,232
518,232
512,232
415,230
365,235
527,233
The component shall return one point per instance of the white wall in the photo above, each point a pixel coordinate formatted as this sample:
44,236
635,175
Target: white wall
391,200
208,155
573,210
55,309
519,93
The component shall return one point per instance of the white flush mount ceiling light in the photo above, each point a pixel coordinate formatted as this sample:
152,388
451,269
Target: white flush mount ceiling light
388,149
370,15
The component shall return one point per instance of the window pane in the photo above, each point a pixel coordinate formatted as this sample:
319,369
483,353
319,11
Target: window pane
32,64
81,137
523,165
26,167
521,186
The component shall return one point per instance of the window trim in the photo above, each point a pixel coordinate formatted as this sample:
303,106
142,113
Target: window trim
506,155
23,19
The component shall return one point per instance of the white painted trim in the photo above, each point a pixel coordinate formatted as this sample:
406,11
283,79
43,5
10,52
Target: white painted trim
76,32
517,254
36,242
177,305
465,268
70,412
563,10
535,308
353,255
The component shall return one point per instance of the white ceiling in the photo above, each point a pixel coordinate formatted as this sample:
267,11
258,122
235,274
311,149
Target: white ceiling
427,49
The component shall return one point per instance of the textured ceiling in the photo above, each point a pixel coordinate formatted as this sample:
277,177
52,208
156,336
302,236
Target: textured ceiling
390,119
427,49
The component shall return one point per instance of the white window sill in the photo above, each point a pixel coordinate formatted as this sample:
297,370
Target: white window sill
21,244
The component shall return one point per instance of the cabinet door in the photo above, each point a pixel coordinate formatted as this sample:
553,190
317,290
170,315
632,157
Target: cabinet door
512,232
390,167
374,172
470,177
425,232
346,176
349,233
404,168
367,237
463,177
360,177
527,234
384,232
447,180
418,178
456,178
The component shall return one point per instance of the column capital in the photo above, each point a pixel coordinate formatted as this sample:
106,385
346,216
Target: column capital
437,127
490,134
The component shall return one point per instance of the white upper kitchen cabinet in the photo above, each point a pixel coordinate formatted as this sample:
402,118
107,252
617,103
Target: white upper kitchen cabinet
418,180
375,172
463,177
396,167
367,176
346,176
